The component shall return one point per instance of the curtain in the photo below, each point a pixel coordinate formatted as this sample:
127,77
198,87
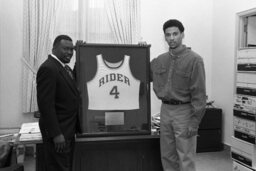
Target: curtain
93,21
37,23
124,20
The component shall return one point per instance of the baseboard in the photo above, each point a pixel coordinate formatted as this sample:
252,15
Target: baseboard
216,148
226,147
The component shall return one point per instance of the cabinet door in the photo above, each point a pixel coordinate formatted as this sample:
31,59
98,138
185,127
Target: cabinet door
139,154
106,156
150,156
209,140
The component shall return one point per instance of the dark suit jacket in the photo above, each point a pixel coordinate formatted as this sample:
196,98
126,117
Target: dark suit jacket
58,100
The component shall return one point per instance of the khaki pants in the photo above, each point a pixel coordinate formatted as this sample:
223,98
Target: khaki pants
177,151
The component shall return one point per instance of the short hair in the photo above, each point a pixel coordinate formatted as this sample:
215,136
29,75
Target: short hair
59,38
173,23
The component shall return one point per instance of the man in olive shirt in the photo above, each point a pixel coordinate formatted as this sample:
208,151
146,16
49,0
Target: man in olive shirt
179,81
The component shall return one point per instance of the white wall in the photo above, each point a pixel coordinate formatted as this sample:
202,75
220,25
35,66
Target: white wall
11,12
223,48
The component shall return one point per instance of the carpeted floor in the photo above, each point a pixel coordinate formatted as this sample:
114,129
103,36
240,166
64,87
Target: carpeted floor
214,161
208,161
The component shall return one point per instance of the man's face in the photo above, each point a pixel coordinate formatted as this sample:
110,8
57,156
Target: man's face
173,37
64,51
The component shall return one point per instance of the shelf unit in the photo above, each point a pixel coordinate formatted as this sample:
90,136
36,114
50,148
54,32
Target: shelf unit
243,149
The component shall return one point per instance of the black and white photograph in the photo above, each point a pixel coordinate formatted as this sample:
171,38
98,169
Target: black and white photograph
127,85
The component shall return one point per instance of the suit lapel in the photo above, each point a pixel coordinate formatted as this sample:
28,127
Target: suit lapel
65,75
69,80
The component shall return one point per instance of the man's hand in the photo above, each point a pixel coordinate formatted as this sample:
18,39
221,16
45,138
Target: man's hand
142,43
191,132
59,143
78,43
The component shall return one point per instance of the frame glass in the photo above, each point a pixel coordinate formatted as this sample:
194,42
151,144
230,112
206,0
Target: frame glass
115,89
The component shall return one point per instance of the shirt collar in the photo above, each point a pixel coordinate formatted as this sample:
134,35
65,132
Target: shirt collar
55,57
178,52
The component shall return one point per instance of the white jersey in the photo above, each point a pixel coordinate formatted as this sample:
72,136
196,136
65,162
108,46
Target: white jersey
113,87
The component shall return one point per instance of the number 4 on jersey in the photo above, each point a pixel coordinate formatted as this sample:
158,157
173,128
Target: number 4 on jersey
114,92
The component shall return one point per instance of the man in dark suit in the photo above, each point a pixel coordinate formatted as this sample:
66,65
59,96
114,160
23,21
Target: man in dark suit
58,101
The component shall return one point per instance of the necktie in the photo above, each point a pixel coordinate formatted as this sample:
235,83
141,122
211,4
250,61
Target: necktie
70,72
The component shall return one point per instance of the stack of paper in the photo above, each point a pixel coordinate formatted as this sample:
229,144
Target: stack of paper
30,132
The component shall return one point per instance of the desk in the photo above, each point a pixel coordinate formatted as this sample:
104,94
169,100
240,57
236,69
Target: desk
120,153
134,153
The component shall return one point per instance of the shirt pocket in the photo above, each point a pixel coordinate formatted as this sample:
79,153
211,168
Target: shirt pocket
181,80
160,76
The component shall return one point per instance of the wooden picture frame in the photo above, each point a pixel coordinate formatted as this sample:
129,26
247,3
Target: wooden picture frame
115,89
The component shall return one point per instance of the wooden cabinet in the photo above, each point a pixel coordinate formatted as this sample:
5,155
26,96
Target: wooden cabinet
121,153
131,153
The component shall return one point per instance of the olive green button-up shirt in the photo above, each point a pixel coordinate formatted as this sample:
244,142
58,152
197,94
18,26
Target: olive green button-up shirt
180,75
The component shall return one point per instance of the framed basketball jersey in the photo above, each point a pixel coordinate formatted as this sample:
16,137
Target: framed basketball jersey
115,89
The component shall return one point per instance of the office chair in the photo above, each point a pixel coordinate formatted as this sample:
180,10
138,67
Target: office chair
8,158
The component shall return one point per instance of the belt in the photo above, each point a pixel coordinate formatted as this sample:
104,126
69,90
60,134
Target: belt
174,102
